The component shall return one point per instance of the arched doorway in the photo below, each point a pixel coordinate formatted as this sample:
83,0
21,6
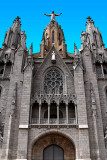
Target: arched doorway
53,146
53,152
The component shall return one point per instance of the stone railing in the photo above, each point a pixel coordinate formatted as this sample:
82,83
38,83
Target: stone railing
53,121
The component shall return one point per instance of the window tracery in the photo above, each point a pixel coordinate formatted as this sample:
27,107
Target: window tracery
53,83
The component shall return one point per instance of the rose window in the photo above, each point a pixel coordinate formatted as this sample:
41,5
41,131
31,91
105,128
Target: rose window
53,83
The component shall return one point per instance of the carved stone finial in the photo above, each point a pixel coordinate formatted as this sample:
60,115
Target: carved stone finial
31,49
17,18
75,50
89,20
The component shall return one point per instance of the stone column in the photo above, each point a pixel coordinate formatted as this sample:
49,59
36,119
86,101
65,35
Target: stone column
91,78
24,115
10,126
39,113
48,113
8,135
58,113
84,152
67,113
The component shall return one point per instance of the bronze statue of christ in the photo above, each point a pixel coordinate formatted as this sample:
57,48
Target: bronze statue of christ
53,15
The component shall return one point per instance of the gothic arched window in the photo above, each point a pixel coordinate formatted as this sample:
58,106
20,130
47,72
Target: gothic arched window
53,83
53,38
59,38
95,38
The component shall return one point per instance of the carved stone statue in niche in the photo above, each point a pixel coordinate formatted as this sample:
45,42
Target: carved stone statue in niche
93,101
85,38
53,57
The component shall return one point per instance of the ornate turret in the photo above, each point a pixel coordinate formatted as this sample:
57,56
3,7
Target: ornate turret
89,25
13,37
53,35
92,37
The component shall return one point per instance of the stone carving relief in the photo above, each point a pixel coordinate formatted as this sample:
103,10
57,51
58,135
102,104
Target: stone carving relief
13,103
93,102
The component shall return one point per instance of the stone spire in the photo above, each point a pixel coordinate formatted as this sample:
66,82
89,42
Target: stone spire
31,49
89,24
16,24
89,20
75,50
92,37
13,35
29,60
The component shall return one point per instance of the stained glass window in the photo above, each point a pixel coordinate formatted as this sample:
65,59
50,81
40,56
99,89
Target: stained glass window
53,83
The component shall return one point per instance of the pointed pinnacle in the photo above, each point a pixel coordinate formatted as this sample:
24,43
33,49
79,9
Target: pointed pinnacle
75,46
75,49
31,46
89,18
17,18
31,49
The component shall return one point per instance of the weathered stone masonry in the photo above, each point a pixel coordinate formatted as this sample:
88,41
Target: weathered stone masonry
53,104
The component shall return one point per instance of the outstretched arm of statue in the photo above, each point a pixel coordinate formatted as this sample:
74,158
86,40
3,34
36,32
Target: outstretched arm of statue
58,14
47,14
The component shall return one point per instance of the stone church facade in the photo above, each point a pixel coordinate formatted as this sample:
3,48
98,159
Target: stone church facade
53,104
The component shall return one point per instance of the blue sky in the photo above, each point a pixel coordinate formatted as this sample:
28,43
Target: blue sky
72,20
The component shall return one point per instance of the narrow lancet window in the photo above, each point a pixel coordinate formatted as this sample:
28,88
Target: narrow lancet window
59,38
53,38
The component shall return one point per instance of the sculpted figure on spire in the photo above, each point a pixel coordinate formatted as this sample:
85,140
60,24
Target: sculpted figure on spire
53,15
